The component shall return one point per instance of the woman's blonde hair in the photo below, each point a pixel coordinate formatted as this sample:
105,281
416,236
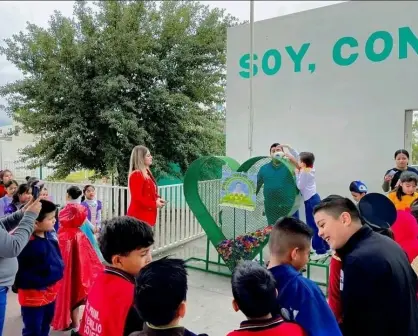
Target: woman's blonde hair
137,161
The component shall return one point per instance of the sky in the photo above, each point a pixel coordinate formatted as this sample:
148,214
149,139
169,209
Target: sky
15,14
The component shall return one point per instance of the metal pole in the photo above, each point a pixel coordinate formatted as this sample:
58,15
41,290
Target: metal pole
251,125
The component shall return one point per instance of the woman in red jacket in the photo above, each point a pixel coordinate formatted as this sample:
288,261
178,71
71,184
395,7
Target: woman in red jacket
142,186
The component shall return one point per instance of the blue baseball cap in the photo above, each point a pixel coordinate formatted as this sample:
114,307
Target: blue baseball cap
358,187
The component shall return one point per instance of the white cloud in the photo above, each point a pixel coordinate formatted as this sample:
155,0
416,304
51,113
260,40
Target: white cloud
15,14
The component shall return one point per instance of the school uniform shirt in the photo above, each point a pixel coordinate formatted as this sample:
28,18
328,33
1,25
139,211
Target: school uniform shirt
150,330
334,292
94,211
300,300
4,203
378,289
12,208
305,181
40,270
275,326
405,201
398,173
109,309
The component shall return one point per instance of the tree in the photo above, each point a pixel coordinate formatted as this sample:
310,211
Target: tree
116,75
414,158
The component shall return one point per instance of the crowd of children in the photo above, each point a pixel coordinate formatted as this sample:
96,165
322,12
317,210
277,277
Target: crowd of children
53,272
107,267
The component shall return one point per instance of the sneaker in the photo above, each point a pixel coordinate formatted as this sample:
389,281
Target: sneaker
316,257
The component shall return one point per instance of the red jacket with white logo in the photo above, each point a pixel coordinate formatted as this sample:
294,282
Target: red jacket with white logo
109,308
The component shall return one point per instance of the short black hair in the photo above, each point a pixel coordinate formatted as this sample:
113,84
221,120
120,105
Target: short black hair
122,235
11,182
21,189
161,287
307,158
74,192
254,289
288,233
406,176
274,145
335,205
47,208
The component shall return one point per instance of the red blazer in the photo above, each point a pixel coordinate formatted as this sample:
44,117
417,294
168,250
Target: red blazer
144,195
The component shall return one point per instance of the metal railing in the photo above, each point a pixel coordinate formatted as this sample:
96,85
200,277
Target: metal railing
19,172
175,225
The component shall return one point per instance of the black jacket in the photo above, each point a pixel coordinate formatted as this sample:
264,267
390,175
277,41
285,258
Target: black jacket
379,287
177,331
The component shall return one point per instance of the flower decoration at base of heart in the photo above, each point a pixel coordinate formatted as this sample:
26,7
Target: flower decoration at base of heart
242,247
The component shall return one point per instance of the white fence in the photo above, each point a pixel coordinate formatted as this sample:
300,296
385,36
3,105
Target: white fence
176,223
19,172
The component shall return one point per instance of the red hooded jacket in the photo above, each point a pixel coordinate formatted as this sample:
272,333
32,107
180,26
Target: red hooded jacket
81,264
405,230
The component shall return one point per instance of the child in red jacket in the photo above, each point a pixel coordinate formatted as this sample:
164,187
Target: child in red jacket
254,291
334,290
405,231
125,243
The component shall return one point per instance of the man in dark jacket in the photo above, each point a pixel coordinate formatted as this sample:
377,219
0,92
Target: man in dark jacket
377,282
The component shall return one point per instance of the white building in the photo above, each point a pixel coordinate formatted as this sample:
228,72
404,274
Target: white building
340,81
10,146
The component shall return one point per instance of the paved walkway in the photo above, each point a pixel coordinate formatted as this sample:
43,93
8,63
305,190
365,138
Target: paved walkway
209,299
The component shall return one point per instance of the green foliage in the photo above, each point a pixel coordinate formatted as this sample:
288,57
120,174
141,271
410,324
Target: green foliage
119,74
415,140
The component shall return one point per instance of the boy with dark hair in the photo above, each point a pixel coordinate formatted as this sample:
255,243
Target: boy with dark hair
161,290
254,291
125,243
378,285
40,270
299,299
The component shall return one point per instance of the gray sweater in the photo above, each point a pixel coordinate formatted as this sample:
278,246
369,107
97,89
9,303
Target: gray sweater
12,244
